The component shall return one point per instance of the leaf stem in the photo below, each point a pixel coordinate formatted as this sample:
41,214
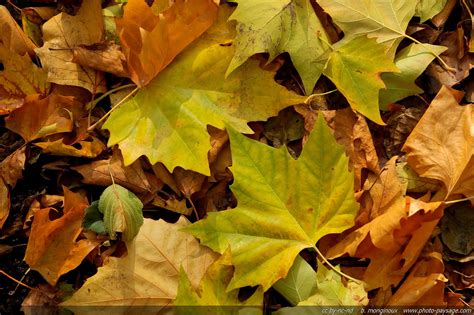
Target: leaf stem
334,268
458,200
309,99
441,61
93,103
112,109
17,281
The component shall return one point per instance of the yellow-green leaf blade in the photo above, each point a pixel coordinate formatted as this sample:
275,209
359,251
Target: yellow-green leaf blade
411,61
281,26
355,67
283,207
166,121
212,292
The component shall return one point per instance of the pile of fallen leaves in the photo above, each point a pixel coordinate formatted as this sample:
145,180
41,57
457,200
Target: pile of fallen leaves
247,155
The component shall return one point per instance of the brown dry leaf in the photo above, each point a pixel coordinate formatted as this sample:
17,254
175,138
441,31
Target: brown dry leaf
350,130
89,149
152,41
441,146
441,18
19,79
43,117
11,168
4,202
383,190
166,177
392,241
399,126
107,57
53,248
132,177
46,201
219,155
64,32
38,300
12,36
455,56
172,204
189,182
424,285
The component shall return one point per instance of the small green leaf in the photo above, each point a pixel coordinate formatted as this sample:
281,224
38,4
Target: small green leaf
122,212
93,219
299,284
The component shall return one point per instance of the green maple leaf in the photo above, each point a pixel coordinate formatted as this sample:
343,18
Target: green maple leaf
212,292
386,20
411,61
281,26
355,67
166,121
284,205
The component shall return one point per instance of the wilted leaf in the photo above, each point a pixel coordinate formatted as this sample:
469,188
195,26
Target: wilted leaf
11,168
442,144
283,207
411,61
42,117
386,20
212,292
53,248
12,36
151,41
351,130
63,32
148,275
107,57
424,285
426,9
392,241
19,79
166,121
122,212
281,26
355,67
132,177
89,149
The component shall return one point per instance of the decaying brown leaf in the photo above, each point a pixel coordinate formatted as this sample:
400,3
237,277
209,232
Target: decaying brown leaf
64,32
53,247
12,36
152,41
442,144
106,57
90,149
4,202
132,177
392,240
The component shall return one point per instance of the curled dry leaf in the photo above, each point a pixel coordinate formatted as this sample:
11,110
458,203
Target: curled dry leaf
12,36
441,146
107,57
42,117
89,149
53,248
19,79
132,177
64,32
11,170
392,241
149,274
424,285
151,41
